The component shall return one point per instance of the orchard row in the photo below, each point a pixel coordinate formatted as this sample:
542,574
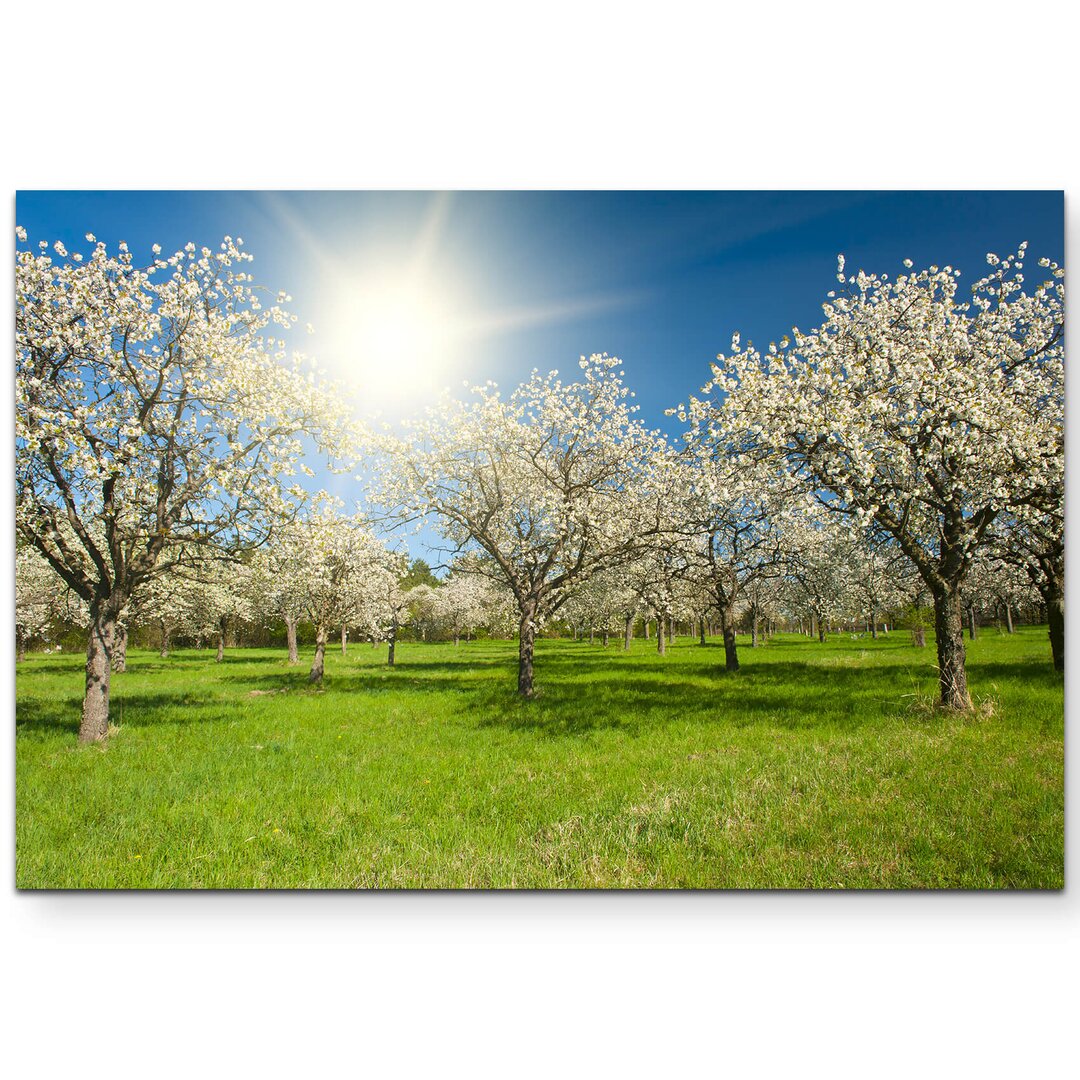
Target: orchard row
909,450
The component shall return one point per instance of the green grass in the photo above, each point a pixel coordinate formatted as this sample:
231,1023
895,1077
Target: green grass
815,766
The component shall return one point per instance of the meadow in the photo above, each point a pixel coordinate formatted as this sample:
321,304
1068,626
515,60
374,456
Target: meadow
815,766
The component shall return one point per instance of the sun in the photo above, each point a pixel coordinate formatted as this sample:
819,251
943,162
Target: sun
398,333
394,340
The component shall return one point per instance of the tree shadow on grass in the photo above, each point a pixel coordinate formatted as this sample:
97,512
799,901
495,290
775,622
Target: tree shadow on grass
31,666
452,664
176,663
579,693
1042,675
638,706
136,710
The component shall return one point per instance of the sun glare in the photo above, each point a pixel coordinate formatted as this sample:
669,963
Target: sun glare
393,341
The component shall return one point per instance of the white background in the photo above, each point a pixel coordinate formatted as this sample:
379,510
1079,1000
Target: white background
492,95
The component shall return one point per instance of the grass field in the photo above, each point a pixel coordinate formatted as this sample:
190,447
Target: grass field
815,766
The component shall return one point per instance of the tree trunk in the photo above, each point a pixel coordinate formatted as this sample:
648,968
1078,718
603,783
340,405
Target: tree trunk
820,630
391,645
753,632
661,645
605,638
1053,595
592,634
166,631
873,624
1008,618
318,664
221,641
20,645
731,652
119,657
628,632
526,644
701,633
728,635
290,637
647,635
949,629
973,629
918,637
99,649
344,641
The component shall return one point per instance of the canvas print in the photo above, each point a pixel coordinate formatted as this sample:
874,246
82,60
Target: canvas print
539,540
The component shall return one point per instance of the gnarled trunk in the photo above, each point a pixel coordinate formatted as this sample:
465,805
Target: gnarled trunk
290,637
526,646
949,630
628,631
701,633
99,649
731,652
166,632
1008,618
661,644
119,657
318,665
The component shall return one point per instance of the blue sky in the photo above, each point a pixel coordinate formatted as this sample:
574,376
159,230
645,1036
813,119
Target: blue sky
661,279
535,279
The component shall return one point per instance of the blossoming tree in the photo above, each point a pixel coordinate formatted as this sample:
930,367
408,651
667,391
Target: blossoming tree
818,560
41,598
278,582
550,483
916,408
733,509
334,572
154,405
466,599
1032,542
